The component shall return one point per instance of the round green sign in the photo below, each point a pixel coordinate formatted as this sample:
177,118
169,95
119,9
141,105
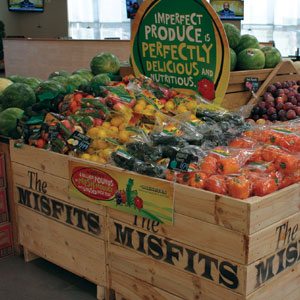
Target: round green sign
182,44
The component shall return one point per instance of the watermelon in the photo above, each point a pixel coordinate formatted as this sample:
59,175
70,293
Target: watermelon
105,63
251,59
15,78
31,81
272,55
18,95
247,41
233,60
4,83
59,73
233,35
85,73
75,81
49,90
97,82
60,79
8,121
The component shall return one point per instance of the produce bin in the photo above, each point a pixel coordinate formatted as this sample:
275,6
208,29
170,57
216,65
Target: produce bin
62,230
217,248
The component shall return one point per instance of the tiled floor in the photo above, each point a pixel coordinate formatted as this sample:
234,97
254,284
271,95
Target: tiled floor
41,280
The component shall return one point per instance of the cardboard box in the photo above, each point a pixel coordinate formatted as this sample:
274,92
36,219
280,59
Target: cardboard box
2,171
6,245
3,206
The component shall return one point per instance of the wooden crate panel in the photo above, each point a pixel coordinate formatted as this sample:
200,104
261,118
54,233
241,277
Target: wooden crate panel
176,255
78,252
209,207
57,187
270,209
183,285
195,233
130,288
286,287
49,162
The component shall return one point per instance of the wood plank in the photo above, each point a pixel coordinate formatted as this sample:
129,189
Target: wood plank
174,255
234,101
287,286
130,288
273,238
57,187
29,256
265,211
239,76
183,285
46,161
282,78
287,67
73,250
209,207
210,238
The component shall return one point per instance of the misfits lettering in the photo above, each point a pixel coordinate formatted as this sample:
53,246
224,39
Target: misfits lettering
36,199
175,44
164,250
287,253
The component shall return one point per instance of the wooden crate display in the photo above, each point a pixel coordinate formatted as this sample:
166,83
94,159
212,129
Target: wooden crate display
63,230
237,95
217,248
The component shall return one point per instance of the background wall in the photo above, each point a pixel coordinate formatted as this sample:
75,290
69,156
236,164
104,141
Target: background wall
52,23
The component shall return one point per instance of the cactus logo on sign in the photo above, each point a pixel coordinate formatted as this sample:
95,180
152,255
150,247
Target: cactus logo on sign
182,44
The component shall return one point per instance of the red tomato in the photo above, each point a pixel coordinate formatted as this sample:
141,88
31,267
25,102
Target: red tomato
138,202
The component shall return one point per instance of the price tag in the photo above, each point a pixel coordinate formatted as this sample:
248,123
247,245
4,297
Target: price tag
252,84
79,141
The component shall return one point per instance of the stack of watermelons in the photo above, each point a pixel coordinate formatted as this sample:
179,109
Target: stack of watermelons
20,94
246,53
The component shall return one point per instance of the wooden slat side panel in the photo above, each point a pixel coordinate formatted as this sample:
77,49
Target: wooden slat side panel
233,101
282,78
195,233
287,286
273,238
175,254
49,162
209,207
268,210
186,286
56,187
73,250
239,76
275,251
130,288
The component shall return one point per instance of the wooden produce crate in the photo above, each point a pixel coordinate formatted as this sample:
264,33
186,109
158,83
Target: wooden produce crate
60,229
237,94
3,206
217,248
